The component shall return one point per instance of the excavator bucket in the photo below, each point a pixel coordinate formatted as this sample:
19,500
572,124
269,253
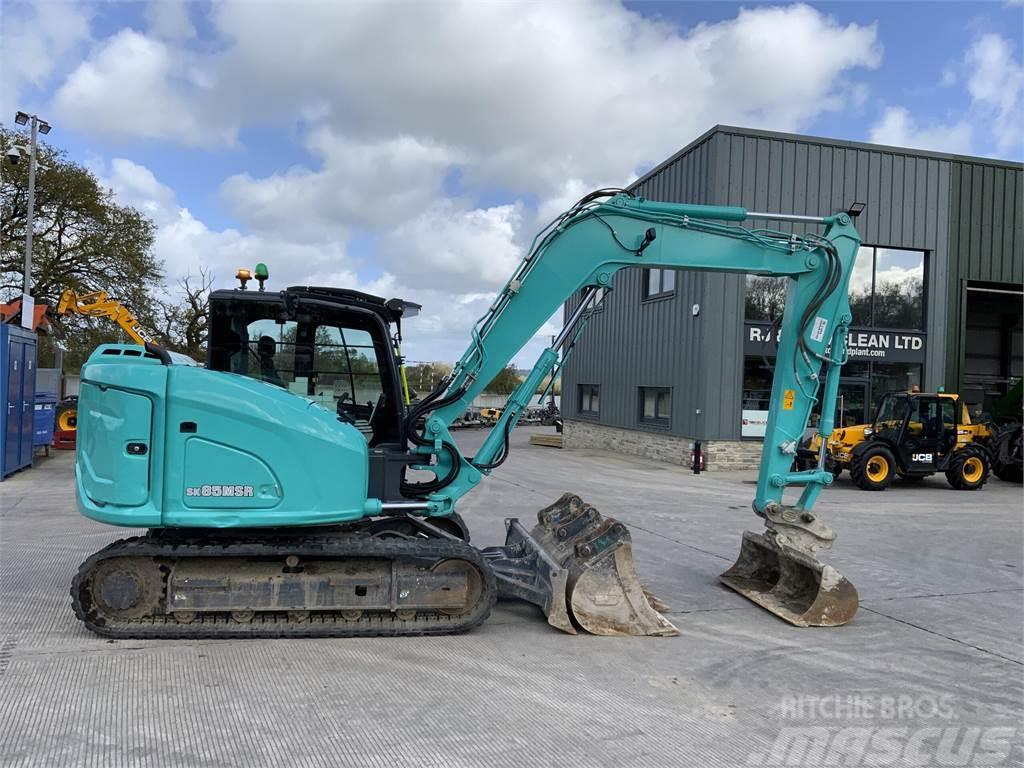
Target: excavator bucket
578,567
793,585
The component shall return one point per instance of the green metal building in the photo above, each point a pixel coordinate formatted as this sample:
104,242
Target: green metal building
937,292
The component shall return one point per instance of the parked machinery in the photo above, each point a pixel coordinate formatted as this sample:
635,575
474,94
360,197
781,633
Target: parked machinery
1007,444
290,491
914,435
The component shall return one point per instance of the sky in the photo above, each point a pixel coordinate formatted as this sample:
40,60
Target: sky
413,149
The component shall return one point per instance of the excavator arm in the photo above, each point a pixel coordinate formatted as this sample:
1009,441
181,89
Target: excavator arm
578,254
99,304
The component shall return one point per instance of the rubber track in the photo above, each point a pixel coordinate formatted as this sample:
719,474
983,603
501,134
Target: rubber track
275,624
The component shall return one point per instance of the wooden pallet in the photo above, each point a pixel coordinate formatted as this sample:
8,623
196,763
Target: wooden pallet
550,441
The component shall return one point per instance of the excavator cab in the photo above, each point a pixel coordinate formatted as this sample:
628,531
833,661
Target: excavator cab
333,346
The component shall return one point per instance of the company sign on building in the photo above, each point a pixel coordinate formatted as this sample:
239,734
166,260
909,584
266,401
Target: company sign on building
861,344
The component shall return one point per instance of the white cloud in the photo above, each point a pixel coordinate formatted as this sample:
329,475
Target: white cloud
134,85
537,93
359,184
996,84
169,20
135,185
544,101
897,127
446,248
993,76
36,38
184,243
547,99
530,94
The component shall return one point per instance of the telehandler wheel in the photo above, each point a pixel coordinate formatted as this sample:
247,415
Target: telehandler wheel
873,470
968,468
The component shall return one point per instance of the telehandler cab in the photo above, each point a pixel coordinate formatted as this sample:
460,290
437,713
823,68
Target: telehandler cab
280,484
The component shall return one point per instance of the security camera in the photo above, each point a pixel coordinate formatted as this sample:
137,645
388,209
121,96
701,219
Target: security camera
13,155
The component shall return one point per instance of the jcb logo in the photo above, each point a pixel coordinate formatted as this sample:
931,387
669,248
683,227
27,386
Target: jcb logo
921,457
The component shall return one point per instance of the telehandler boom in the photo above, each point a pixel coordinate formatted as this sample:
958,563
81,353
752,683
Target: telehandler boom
99,304
271,515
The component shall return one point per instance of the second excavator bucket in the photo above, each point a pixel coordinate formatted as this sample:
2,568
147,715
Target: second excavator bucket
578,567
790,583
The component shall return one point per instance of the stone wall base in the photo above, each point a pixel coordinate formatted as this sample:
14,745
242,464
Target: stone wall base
672,449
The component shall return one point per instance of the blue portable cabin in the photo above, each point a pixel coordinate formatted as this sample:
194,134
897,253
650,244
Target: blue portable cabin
17,397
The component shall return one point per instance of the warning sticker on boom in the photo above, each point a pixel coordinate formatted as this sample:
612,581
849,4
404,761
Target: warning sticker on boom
818,332
788,399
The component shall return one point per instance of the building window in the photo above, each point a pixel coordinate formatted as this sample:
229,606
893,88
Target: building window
659,282
765,298
656,405
589,399
861,386
887,288
886,291
757,394
891,377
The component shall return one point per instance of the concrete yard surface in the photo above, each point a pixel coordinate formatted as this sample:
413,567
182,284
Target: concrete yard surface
930,672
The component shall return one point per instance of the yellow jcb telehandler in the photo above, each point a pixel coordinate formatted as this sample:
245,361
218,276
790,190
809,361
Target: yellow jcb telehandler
914,435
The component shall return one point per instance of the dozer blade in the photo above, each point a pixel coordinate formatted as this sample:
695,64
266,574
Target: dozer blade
578,567
793,585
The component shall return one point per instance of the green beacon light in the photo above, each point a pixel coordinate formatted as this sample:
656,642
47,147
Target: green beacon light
261,273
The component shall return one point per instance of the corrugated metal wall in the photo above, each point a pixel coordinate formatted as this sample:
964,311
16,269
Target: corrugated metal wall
986,235
633,343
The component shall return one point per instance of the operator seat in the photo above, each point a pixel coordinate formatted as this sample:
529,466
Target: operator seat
265,348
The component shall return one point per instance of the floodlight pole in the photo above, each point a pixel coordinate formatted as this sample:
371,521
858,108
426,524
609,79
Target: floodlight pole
27,289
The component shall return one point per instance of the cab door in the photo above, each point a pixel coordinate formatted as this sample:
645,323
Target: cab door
927,437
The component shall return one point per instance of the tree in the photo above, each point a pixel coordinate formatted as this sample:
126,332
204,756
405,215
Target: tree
899,304
184,326
766,297
505,382
424,377
545,382
82,238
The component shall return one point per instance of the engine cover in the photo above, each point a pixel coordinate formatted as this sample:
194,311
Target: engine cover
178,445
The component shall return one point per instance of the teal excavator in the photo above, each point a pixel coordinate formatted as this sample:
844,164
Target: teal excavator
288,488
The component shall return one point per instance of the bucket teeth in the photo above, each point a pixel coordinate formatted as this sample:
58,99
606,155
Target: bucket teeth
580,570
793,585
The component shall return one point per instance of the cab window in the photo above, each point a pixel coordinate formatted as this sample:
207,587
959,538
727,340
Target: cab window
331,364
346,368
891,415
931,418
